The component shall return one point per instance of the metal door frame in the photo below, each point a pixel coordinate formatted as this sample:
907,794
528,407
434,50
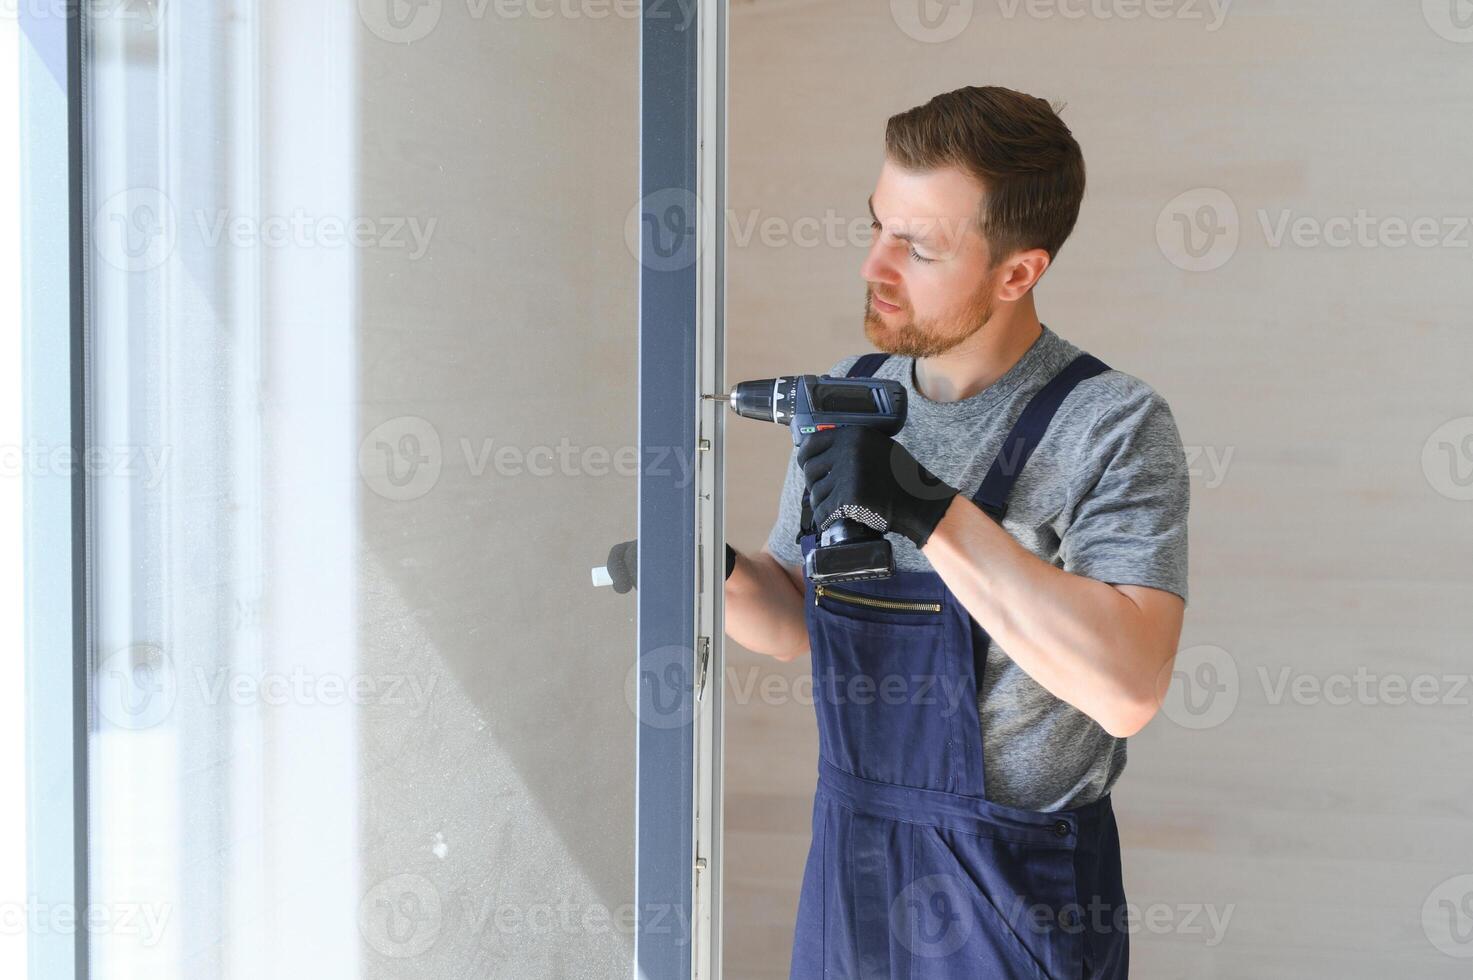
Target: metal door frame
680,528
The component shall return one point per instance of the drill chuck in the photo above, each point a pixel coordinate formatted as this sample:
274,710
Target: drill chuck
767,400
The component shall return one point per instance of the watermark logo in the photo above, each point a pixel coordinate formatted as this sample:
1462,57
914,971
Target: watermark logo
142,923
665,673
910,476
148,465
136,687
1101,918
400,917
1202,688
1198,229
932,21
938,693
136,229
400,459
1209,463
227,685
145,14
1447,917
1212,13
1447,459
302,229
1452,20
932,916
1363,230
400,21
666,230
1364,688
139,229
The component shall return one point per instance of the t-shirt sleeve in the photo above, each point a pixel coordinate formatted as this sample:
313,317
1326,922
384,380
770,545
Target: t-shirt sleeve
782,541
1129,526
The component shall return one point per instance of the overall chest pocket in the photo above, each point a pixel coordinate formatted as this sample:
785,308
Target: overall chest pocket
850,602
888,693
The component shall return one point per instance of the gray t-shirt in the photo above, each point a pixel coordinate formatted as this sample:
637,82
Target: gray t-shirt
1104,495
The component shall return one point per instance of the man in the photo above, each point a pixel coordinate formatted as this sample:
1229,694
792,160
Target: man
973,707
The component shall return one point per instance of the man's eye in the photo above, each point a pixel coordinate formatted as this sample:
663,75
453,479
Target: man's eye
917,256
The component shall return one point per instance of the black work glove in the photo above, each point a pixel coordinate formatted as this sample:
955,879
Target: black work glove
623,564
864,475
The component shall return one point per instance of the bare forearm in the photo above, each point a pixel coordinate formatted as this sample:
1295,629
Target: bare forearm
764,609
1085,641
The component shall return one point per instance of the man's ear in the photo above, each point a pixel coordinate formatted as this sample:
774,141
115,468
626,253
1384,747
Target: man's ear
1020,271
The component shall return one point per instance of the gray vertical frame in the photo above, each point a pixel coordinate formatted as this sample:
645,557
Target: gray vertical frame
53,409
669,398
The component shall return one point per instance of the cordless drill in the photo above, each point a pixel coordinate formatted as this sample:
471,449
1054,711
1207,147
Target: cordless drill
808,403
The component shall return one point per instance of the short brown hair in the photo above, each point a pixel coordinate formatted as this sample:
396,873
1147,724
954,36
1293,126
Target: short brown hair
1031,169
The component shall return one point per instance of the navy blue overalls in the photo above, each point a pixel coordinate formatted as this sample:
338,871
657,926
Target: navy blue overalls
912,873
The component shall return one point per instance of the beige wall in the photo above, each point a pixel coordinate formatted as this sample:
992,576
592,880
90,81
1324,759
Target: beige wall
1323,392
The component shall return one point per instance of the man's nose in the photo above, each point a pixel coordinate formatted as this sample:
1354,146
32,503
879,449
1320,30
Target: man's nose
877,266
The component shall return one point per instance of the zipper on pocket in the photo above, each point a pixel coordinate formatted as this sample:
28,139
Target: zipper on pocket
894,605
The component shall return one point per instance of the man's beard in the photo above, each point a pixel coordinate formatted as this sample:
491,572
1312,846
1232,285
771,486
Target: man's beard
927,338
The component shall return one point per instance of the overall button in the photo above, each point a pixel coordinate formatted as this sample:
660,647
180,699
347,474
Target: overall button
1061,829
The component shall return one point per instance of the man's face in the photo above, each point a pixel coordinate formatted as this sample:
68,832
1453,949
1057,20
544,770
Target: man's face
929,284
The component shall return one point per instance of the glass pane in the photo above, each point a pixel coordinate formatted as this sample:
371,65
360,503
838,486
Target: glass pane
363,391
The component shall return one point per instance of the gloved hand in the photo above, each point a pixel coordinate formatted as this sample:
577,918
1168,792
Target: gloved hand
623,564
864,475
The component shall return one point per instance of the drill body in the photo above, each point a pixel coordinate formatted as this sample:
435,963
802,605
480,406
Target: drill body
807,403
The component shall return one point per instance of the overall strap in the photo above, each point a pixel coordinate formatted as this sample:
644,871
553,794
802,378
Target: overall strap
867,365
992,496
